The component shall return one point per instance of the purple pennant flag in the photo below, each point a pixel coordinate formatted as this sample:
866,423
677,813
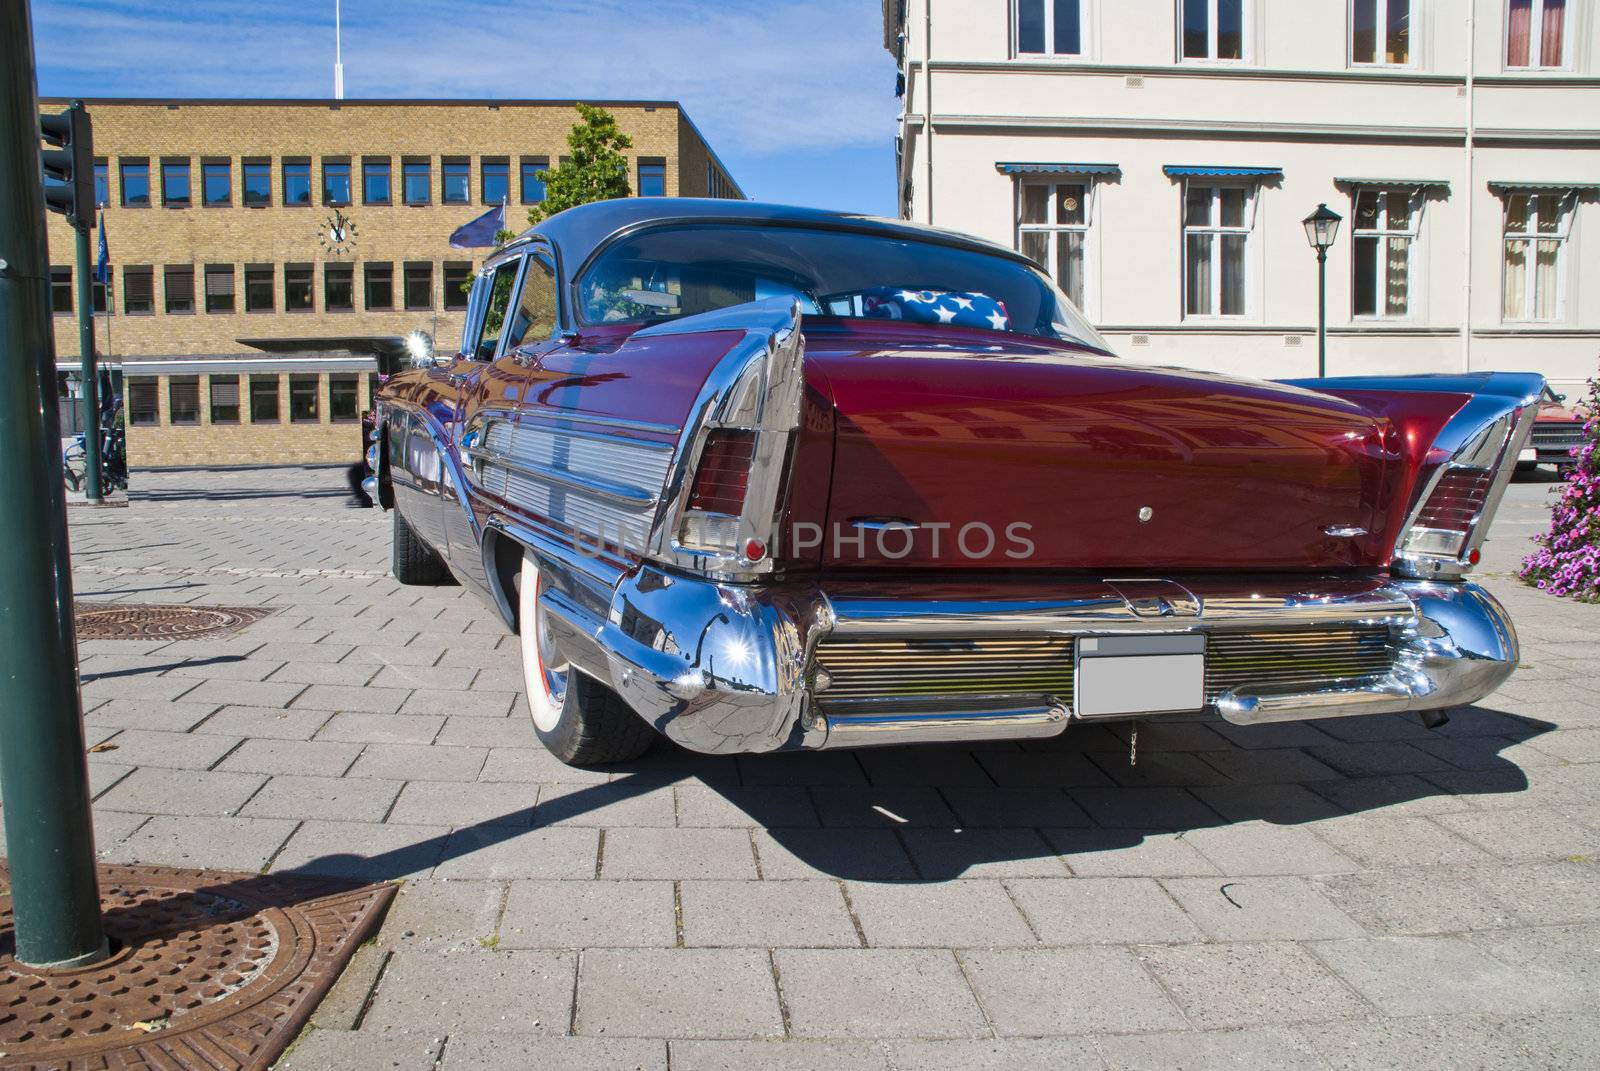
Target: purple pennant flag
479,234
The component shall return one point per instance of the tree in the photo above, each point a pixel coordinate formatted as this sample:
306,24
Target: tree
597,170
1568,559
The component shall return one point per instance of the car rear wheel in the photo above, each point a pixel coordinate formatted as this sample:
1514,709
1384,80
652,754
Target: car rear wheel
412,560
580,720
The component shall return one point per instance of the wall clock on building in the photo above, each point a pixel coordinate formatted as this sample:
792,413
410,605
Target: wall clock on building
338,234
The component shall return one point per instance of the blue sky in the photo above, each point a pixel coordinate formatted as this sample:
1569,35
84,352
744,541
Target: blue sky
795,95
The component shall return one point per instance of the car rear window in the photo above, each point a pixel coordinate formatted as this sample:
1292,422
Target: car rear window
681,270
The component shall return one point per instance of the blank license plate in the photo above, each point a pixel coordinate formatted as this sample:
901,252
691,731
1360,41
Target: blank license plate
1140,675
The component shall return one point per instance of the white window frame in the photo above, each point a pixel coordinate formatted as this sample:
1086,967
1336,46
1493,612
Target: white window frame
1090,305
1413,235
1566,205
1536,38
1215,228
1382,12
1246,33
1050,33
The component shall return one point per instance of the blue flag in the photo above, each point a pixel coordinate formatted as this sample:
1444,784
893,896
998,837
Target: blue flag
102,267
479,234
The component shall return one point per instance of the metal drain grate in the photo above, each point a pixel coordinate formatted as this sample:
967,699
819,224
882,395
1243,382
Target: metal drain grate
123,621
213,970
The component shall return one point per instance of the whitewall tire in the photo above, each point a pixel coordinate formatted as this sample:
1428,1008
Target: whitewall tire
580,720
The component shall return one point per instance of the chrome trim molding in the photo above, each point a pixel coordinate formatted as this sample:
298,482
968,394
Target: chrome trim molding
724,668
757,386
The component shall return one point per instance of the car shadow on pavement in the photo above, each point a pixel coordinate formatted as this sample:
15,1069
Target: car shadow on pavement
937,812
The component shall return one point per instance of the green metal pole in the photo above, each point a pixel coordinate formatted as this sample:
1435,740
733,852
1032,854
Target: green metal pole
44,778
88,367
1322,312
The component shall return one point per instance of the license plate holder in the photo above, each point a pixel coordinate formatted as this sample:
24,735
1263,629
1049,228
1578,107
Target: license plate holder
1120,675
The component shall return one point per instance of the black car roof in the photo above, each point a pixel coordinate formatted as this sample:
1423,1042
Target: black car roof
578,231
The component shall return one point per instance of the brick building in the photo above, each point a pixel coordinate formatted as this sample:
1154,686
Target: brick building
322,221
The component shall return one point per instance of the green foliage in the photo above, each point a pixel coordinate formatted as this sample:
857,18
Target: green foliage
597,170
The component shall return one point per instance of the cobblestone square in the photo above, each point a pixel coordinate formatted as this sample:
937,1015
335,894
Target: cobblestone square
1343,893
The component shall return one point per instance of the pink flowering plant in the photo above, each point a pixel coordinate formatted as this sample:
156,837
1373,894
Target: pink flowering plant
1568,559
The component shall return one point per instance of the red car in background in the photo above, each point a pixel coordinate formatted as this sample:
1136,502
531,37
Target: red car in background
1557,431
760,478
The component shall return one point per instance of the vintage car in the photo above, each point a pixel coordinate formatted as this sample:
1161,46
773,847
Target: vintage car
762,478
1557,433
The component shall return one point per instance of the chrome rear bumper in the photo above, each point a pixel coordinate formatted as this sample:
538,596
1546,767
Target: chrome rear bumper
726,668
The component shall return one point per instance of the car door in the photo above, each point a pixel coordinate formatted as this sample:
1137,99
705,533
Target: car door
461,380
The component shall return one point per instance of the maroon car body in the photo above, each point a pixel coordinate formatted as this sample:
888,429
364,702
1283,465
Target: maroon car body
729,478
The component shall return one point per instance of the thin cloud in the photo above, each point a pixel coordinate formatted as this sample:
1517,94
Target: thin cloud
760,79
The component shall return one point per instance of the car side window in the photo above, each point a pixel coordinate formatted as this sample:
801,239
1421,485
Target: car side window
502,280
535,318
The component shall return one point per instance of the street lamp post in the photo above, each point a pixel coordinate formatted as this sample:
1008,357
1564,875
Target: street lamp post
1322,226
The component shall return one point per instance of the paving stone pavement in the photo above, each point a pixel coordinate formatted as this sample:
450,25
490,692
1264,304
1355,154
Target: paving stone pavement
1357,893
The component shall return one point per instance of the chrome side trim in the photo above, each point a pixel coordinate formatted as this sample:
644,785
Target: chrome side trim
1004,723
601,488
636,497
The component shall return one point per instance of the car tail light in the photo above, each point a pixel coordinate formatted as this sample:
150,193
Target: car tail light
717,496
1444,534
1447,518
723,478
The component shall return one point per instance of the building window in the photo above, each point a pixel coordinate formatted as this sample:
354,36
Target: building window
338,287
375,180
257,176
175,181
1212,29
224,399
102,181
101,290
344,397
303,399
258,295
336,180
457,283
1216,238
216,183
1053,231
1380,32
1537,225
652,176
144,406
1536,34
1050,27
457,185
219,288
379,282
183,399
419,285
297,287
264,399
1383,232
139,290
297,181
135,183
495,179
179,288
532,184
417,175
61,291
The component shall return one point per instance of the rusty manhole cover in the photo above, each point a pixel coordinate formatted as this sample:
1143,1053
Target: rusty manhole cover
212,970
124,621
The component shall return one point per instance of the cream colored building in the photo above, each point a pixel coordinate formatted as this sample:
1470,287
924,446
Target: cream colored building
1159,156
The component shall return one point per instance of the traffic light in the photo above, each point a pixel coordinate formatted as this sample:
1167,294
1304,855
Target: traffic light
69,169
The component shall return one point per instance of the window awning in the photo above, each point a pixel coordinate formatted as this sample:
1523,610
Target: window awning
1395,183
1214,171
1544,187
1057,169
